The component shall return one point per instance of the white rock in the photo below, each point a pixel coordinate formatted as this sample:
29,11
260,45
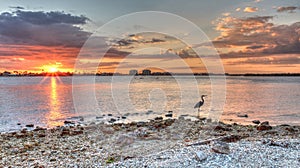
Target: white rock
201,156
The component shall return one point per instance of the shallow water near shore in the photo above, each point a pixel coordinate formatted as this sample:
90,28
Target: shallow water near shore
49,101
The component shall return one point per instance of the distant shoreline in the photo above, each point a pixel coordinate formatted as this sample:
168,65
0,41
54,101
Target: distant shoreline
171,74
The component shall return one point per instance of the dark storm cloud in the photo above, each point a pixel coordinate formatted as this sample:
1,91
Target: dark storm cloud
42,28
289,9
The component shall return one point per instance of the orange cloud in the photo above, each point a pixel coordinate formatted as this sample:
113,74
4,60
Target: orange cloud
250,9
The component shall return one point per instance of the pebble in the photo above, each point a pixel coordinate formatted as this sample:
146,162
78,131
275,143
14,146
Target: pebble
201,156
256,121
30,125
140,124
52,160
169,115
158,118
243,115
112,120
220,147
69,122
264,126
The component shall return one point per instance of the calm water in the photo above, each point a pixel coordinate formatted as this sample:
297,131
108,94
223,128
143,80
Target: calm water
49,101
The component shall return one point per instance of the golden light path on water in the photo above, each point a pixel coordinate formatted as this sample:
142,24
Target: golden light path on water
54,115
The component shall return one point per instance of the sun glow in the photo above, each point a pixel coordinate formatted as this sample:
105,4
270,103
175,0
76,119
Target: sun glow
50,68
53,69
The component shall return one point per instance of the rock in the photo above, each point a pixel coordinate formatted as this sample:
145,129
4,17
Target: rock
290,129
169,115
284,125
140,124
69,122
256,121
21,135
109,115
149,112
169,122
18,123
221,128
14,151
52,160
30,125
65,131
220,147
264,126
24,130
243,115
158,118
39,128
125,140
271,142
41,135
123,117
202,118
231,138
181,118
201,156
112,120
107,130
99,117
265,123
77,132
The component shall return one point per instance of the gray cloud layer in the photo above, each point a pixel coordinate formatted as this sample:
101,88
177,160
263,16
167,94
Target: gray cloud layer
42,28
289,9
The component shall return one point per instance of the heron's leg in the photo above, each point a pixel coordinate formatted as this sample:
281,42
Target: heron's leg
198,112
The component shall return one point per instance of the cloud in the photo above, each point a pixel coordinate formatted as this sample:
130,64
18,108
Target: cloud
134,40
226,14
42,28
250,9
17,7
279,60
255,37
289,9
237,9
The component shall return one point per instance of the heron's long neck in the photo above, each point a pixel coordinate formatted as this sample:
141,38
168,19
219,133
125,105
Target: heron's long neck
202,99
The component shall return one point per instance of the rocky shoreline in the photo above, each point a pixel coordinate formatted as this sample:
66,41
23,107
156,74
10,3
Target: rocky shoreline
157,143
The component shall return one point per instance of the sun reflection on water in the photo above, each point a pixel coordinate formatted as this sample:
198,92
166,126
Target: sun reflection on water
54,116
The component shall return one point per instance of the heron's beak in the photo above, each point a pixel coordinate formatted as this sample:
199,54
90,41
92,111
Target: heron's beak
204,95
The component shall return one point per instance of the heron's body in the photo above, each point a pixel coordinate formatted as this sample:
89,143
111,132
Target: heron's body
199,104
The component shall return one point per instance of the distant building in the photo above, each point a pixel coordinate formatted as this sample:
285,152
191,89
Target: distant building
133,72
146,72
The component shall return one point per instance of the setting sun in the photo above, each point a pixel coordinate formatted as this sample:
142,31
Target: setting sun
53,69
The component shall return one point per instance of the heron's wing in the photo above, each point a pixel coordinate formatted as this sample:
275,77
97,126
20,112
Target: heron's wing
197,105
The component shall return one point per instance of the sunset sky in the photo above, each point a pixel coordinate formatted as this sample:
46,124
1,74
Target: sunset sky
251,36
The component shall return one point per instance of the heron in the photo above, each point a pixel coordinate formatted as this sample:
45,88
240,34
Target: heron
199,104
